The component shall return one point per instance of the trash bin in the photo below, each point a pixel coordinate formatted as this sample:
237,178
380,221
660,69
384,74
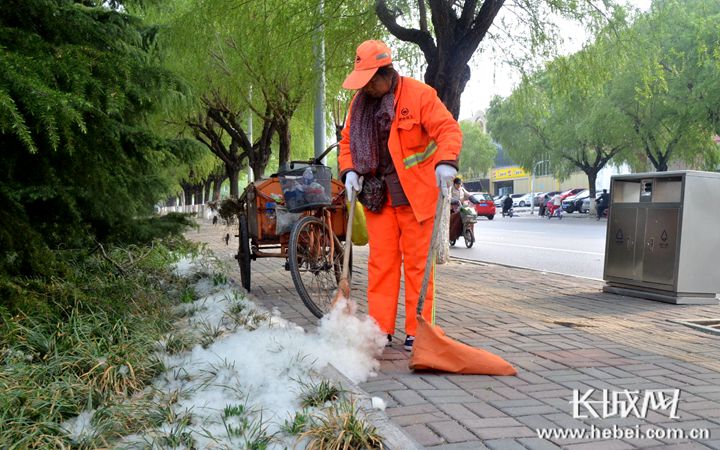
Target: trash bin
662,241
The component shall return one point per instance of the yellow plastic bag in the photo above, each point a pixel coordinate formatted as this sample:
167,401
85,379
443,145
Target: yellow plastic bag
359,229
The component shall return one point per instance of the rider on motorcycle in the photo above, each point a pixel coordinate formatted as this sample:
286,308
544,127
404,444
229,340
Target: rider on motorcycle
555,205
507,205
603,202
458,191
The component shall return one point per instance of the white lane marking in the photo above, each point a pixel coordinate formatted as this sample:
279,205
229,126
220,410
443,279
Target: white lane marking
505,244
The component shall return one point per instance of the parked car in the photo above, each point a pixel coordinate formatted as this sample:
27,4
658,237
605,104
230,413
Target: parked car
585,208
573,203
483,204
521,200
516,198
498,199
537,200
579,200
570,192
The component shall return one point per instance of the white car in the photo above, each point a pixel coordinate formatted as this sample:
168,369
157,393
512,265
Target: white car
521,200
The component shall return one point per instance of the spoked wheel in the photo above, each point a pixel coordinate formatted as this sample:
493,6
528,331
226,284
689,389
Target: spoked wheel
469,238
314,270
243,255
452,242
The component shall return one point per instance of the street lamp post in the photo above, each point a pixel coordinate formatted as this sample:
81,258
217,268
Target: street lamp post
532,186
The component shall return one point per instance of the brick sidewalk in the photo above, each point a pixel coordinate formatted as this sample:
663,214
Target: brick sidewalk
561,333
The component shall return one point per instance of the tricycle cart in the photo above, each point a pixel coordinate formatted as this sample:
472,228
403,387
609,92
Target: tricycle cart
298,215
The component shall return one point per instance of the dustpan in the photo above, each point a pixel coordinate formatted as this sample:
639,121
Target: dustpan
432,349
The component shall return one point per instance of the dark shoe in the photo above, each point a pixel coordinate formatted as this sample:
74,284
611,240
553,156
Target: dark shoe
409,342
389,341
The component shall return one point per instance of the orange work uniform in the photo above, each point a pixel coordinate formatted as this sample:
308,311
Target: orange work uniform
423,134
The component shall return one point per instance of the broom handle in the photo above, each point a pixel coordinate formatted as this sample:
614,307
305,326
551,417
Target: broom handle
348,236
431,251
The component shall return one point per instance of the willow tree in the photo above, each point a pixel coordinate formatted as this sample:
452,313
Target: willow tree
668,82
478,151
254,59
574,129
449,33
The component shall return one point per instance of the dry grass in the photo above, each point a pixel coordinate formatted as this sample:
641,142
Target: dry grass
341,427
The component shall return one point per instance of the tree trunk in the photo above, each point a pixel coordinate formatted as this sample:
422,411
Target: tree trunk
258,165
283,132
198,194
456,33
592,180
449,82
187,192
233,174
217,186
206,189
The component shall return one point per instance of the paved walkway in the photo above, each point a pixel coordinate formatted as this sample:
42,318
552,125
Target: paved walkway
561,333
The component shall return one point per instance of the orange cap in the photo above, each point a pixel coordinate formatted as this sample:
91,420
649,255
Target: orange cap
370,56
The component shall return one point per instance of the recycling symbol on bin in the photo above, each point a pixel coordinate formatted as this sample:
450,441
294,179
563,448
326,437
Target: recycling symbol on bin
619,237
664,236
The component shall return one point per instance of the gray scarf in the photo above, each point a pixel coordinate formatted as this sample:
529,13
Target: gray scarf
370,127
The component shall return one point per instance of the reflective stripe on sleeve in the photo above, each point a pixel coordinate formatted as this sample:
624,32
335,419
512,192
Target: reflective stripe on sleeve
417,158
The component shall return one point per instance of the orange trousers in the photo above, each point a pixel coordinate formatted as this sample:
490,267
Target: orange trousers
397,239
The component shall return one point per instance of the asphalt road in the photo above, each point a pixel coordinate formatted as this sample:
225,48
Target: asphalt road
574,245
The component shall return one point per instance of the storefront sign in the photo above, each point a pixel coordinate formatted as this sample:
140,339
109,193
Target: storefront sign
509,173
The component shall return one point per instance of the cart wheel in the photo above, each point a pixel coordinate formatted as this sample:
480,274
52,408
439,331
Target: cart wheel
452,242
314,272
243,255
469,238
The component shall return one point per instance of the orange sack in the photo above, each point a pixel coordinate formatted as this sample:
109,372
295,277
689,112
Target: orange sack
433,350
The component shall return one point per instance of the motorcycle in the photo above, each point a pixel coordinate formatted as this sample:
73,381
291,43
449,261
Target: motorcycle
462,223
553,211
605,214
510,212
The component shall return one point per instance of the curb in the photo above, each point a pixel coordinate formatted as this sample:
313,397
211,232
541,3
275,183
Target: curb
393,436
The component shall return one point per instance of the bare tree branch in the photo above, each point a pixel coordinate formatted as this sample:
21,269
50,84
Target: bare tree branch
422,38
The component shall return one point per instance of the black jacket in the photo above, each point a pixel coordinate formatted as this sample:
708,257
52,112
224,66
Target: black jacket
507,203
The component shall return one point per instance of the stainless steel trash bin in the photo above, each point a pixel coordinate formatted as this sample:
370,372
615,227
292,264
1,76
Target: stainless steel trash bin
662,240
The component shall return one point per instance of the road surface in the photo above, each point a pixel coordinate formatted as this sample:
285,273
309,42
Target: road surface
574,245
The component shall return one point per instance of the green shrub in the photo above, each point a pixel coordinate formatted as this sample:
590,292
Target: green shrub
84,339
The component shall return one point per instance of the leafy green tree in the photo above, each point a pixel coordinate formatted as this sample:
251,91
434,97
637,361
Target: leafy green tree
668,83
575,129
640,93
478,151
449,33
255,58
78,81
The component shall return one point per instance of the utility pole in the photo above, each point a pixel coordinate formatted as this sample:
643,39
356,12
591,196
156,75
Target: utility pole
532,187
251,174
319,127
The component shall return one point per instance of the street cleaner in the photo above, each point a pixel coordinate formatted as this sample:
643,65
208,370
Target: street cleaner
399,145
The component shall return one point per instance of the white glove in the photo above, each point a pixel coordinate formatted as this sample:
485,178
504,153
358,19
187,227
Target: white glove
353,182
445,173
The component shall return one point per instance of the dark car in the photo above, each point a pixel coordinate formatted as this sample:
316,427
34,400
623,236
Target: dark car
573,203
